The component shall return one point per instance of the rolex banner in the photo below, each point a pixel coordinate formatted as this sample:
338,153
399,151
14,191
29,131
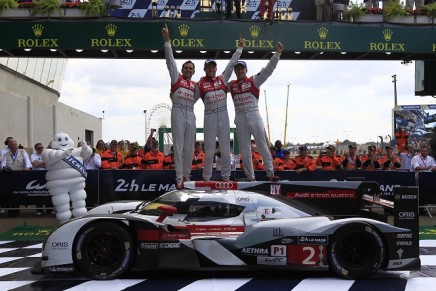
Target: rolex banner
189,35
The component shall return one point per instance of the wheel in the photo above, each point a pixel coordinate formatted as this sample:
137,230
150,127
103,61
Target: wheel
356,251
103,250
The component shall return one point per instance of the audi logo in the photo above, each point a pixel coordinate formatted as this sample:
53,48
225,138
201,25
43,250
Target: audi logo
224,185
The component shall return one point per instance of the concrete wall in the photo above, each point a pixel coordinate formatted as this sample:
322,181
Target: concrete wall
30,112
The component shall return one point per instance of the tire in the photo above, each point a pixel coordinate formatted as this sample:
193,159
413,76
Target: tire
356,251
103,250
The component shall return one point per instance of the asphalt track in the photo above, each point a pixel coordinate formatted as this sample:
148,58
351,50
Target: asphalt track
17,258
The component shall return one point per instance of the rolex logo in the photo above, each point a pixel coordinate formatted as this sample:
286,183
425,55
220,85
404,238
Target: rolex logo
183,29
387,33
254,30
111,29
37,30
322,32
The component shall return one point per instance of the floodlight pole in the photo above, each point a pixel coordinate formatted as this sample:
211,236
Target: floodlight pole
394,80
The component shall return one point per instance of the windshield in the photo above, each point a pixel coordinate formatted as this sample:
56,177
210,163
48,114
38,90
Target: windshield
193,206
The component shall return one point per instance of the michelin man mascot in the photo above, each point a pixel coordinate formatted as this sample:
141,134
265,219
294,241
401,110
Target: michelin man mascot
66,176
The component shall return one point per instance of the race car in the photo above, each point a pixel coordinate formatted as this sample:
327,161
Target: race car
234,224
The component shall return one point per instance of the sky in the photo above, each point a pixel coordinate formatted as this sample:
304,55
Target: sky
328,100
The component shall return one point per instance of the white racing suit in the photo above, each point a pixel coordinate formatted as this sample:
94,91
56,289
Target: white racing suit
183,126
213,92
245,95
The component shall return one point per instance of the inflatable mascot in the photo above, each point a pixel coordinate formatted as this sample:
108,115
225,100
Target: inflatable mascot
66,176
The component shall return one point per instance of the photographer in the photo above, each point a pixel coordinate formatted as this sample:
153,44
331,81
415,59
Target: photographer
370,161
328,160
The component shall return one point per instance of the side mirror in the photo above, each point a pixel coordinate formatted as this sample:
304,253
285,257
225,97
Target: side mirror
166,211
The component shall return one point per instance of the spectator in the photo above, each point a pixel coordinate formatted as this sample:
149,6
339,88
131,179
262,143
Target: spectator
277,162
423,162
122,148
350,160
279,151
266,5
328,160
229,7
323,10
94,161
406,155
256,158
111,158
153,160
133,160
169,160
15,159
402,138
303,161
370,160
418,4
6,148
288,162
100,147
198,158
35,158
218,159
390,161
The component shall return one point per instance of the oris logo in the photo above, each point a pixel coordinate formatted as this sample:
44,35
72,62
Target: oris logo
406,215
224,185
59,244
34,185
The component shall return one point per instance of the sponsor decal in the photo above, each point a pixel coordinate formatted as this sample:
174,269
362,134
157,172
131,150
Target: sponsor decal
322,44
243,199
275,190
387,45
33,188
111,30
307,255
277,231
254,251
214,228
287,240
412,197
278,251
329,194
186,42
404,243
387,190
406,215
37,42
271,261
131,186
149,246
169,245
61,269
175,236
400,253
319,240
59,244
404,235
224,185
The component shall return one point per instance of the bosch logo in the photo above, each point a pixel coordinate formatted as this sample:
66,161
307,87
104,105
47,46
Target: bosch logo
224,185
59,244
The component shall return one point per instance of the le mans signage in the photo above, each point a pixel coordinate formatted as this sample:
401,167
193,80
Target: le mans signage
216,35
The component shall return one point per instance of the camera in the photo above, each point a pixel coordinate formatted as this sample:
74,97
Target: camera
153,130
324,153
